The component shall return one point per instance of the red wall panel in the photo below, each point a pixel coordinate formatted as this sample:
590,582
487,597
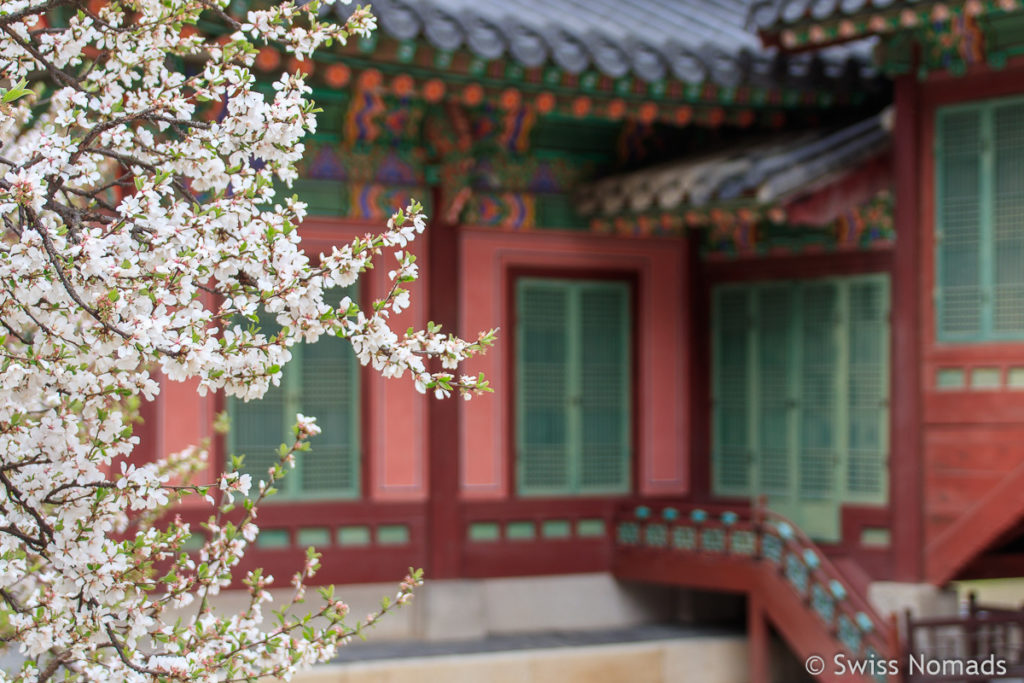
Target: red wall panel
973,439
661,413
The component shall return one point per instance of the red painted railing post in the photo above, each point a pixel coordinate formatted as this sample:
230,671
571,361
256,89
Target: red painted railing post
758,642
971,627
908,645
896,649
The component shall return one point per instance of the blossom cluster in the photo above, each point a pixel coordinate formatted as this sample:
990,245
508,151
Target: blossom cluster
137,231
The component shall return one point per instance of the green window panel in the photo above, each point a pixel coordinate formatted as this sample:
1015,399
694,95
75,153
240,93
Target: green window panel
393,534
732,419
318,536
358,535
866,408
800,395
979,167
572,398
555,528
1008,220
590,528
775,317
818,383
484,531
273,538
321,380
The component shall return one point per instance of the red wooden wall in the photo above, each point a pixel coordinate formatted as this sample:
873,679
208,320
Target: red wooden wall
660,408
465,280
972,437
394,445
956,457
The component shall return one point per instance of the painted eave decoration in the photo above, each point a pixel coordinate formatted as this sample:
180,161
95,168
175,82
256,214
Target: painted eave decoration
676,62
829,188
796,25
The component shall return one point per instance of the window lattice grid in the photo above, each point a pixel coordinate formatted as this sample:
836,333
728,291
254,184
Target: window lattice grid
867,384
806,366
732,463
818,359
979,204
775,312
1008,220
321,381
960,198
573,407
603,339
329,384
257,429
543,388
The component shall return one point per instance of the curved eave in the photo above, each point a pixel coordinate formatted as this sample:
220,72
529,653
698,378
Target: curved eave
415,69
800,25
802,178
565,47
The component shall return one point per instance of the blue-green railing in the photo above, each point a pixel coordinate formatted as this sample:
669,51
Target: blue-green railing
762,536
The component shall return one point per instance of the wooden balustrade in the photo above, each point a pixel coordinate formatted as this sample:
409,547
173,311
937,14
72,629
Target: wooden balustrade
769,540
943,648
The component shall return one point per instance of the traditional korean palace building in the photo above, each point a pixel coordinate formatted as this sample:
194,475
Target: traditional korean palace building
748,259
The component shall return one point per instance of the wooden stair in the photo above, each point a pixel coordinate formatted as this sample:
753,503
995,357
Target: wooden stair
787,580
994,515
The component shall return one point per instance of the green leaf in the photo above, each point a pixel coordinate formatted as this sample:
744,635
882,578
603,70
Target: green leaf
15,93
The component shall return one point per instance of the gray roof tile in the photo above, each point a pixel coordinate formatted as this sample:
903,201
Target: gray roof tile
693,40
774,15
769,171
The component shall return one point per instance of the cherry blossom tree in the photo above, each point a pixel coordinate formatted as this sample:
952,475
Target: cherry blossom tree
137,233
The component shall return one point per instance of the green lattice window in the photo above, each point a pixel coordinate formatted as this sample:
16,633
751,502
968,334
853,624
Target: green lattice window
979,227
572,387
321,380
800,384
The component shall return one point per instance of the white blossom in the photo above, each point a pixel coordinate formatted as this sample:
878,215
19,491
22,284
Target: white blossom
136,234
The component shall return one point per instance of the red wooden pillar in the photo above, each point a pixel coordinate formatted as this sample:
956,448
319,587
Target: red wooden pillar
148,431
906,474
444,538
699,311
758,641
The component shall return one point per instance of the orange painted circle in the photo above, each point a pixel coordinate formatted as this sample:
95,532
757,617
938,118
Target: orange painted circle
510,99
648,112
545,102
304,66
433,90
473,94
268,59
581,106
370,79
684,115
402,85
337,75
616,109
